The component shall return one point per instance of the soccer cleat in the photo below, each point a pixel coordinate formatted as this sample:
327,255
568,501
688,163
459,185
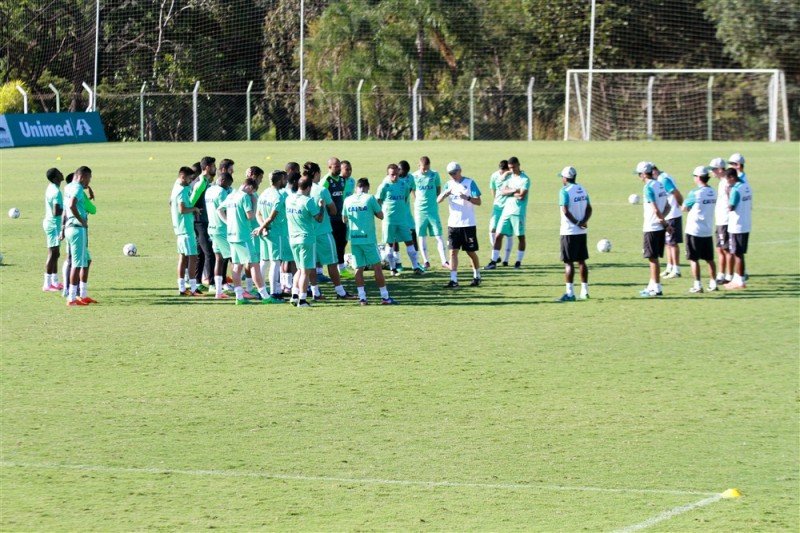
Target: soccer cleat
303,303
201,287
426,266
566,298
649,293
363,302
222,296
446,265
732,286
388,301
242,302
347,296
418,271
76,302
491,266
395,272
665,273
696,290
476,282
59,286
505,263
195,293
584,296
672,275
250,296
294,300
88,300
319,298
518,265
50,288
713,288
399,267
271,300
451,285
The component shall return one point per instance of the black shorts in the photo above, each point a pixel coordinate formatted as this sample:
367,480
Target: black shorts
676,237
463,238
653,244
738,243
573,248
698,248
723,239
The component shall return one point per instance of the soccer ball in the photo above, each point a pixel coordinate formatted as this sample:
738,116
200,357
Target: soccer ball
13,213
129,249
633,199
604,245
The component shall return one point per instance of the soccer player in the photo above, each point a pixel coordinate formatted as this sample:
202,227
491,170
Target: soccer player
205,262
76,233
340,185
512,219
393,198
405,176
496,181
274,240
674,237
237,211
721,214
326,244
360,212
576,209
302,216
739,225
654,227
257,173
427,187
463,195
53,210
217,229
700,203
736,161
182,216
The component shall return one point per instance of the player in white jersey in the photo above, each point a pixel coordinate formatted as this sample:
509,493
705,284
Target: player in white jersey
700,203
721,213
575,209
739,225
654,227
737,161
674,217
53,211
463,195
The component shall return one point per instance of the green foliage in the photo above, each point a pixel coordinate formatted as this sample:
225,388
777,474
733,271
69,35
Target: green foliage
11,101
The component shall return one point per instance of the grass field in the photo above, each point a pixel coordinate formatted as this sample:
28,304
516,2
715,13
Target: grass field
481,409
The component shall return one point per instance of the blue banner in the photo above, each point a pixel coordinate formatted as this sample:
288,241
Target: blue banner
43,129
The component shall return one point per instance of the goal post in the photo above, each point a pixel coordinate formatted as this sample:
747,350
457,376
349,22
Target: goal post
675,104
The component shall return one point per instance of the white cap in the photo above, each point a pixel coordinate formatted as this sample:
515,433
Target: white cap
736,158
569,173
700,171
717,162
644,167
452,166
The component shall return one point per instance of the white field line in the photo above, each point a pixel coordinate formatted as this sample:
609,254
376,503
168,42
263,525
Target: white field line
364,481
670,513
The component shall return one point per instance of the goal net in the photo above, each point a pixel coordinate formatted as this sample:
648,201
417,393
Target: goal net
689,104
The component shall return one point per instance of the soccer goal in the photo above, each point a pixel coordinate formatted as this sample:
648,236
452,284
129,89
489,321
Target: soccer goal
676,104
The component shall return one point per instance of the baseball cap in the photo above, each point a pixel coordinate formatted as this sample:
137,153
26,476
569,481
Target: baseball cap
736,158
700,171
717,162
452,166
568,172
644,167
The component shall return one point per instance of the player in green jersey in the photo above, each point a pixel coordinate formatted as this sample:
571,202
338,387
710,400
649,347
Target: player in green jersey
427,186
217,230
360,212
53,209
273,233
183,225
512,219
393,196
302,216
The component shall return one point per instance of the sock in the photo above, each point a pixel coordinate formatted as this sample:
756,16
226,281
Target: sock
584,289
696,284
384,293
339,290
476,273
712,283
275,276
570,289
509,245
520,255
264,264
54,279
728,277
73,291
423,248
218,285
454,276
440,247
289,280
396,255
262,291
181,284
239,292
737,279
495,255
46,280
676,269
315,290
193,284
668,268
658,287
390,257
249,284
362,293
412,255
492,237
82,289
65,272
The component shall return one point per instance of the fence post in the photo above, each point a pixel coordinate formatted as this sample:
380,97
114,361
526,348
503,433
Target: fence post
91,95
141,112
358,109
58,97
24,98
194,110
249,90
650,107
710,108
566,107
580,106
472,109
303,90
530,108
415,109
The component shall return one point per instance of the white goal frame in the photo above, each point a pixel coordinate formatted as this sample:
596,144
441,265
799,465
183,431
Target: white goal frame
776,92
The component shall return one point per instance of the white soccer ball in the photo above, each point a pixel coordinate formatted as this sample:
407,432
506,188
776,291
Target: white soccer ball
633,199
603,245
13,213
129,249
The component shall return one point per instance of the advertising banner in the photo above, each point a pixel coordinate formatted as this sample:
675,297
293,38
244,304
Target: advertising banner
42,129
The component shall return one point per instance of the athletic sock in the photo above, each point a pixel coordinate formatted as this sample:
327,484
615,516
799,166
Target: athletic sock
658,287
262,291
507,252
676,269
339,290
181,284
239,292
218,285
315,290
73,291
362,293
264,264
495,255
384,292
275,276
584,289
476,273
412,255
454,276
492,237
249,284
83,289
697,284
193,284
570,289
520,255
441,249
46,281
390,257
423,248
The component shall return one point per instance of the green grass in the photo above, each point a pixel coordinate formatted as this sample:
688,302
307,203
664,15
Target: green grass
148,412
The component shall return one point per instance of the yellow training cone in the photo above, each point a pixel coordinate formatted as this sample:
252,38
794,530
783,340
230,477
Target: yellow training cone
732,493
